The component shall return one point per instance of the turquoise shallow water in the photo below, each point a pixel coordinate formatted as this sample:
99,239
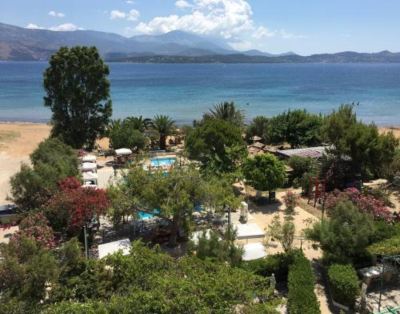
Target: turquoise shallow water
185,91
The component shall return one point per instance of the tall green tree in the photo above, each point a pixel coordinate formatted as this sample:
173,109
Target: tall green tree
175,196
296,127
264,172
127,133
217,144
165,126
369,152
52,161
138,123
78,94
26,269
226,111
259,126
345,236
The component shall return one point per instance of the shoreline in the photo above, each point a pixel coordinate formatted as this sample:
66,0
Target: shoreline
381,127
386,127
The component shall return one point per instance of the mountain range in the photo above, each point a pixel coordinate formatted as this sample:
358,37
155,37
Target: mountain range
22,44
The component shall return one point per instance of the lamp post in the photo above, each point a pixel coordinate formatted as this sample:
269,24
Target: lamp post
86,241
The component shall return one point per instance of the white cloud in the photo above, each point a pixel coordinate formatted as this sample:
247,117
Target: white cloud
66,27
231,20
129,2
182,4
56,14
116,14
33,26
132,15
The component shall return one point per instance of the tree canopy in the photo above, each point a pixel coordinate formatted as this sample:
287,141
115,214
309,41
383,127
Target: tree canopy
259,126
217,144
264,172
345,236
173,197
78,94
226,111
52,161
296,127
369,152
165,126
127,133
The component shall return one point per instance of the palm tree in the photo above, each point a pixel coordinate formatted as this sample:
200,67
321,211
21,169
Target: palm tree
226,111
165,126
138,123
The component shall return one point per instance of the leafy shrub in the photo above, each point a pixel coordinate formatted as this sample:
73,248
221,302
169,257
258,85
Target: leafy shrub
365,203
384,231
301,165
343,282
290,200
345,236
51,162
301,296
124,134
386,247
277,264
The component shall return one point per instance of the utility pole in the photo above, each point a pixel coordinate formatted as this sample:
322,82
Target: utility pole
86,242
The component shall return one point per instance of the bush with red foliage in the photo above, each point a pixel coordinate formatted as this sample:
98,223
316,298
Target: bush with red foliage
365,203
36,226
74,205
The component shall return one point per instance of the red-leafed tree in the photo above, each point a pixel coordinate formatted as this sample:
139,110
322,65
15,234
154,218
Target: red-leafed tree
74,206
365,203
36,226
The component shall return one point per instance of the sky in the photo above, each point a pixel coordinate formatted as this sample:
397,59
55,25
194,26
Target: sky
276,26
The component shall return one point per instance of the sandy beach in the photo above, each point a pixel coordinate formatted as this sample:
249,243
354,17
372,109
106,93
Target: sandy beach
17,142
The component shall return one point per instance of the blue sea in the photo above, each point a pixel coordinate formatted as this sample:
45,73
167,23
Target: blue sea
185,91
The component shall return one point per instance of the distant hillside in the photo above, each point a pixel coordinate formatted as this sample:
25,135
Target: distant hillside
21,44
342,57
17,43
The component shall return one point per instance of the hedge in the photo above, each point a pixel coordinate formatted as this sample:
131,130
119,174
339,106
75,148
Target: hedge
343,283
301,296
277,264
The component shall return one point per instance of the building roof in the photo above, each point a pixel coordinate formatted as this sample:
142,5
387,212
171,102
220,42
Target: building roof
257,145
253,251
311,152
248,231
112,247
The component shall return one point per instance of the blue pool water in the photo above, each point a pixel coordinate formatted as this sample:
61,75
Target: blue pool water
145,216
162,162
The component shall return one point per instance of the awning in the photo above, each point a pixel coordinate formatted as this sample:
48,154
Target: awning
86,166
89,158
123,152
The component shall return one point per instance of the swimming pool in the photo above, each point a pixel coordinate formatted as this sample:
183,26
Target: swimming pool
146,216
162,161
